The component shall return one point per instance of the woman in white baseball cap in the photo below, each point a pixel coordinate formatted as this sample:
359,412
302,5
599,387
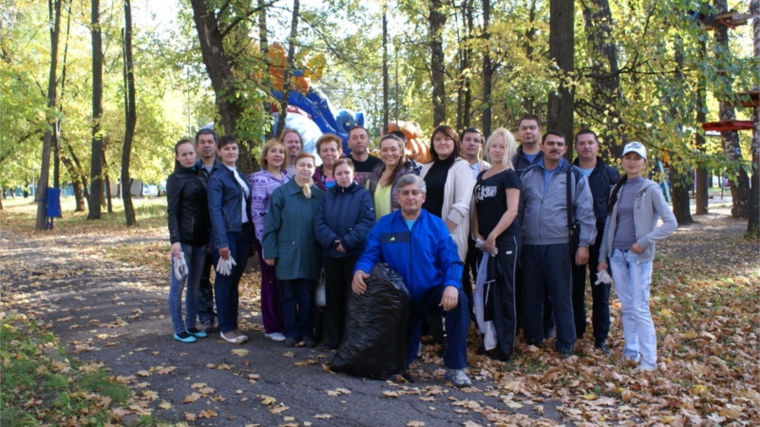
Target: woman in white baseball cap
629,241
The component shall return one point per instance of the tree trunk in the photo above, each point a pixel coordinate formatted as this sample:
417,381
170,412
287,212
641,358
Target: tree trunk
287,84
753,227
739,182
386,78
463,79
219,66
487,70
437,21
562,50
702,184
54,8
96,162
529,102
76,182
604,78
130,114
680,172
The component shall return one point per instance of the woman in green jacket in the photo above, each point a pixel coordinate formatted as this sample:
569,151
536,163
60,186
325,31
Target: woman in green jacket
290,246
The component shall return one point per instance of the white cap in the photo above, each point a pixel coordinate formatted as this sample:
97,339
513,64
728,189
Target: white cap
635,147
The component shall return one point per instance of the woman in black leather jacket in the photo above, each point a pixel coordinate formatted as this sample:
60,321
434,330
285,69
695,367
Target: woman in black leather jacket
189,235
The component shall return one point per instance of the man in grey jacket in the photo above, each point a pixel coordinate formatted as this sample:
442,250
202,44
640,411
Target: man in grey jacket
546,258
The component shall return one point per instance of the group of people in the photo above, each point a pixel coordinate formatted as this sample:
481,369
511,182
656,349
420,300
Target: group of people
523,223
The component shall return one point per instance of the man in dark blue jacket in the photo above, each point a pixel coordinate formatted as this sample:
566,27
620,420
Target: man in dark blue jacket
601,179
205,145
418,245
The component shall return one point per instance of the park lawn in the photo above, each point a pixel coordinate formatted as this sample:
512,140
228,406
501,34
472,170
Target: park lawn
704,301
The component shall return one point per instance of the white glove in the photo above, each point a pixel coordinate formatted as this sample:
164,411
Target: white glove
480,244
180,266
222,267
225,266
230,264
603,277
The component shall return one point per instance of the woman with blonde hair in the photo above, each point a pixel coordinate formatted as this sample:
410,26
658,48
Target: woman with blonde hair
497,232
289,245
263,183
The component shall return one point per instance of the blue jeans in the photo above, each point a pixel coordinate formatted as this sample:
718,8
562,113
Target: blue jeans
206,292
226,287
298,308
195,256
632,279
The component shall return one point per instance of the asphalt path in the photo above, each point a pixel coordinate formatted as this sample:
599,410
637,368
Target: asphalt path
116,314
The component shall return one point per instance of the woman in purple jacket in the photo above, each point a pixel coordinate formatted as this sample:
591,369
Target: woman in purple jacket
263,183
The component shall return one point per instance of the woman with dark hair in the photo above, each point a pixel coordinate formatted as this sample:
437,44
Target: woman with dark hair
449,185
263,183
229,204
290,246
188,233
630,234
341,224
382,181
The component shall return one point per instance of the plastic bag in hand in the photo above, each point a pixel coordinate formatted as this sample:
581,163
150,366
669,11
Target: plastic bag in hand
180,266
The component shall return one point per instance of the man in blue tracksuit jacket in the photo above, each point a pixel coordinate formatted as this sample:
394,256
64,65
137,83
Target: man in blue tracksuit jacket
418,245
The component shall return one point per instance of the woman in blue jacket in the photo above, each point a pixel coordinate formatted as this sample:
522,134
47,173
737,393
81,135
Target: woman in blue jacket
345,216
229,204
290,246
189,233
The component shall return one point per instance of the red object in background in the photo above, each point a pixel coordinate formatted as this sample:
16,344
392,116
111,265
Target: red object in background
728,125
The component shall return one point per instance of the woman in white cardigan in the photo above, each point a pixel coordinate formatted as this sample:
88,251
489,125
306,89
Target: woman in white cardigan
449,185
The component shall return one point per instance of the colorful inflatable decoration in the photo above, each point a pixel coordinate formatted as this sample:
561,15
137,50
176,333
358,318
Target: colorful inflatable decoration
309,110
416,148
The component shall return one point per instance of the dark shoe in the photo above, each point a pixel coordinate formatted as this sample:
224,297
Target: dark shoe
532,342
290,342
197,333
309,343
184,337
408,377
603,348
497,354
207,326
328,347
565,353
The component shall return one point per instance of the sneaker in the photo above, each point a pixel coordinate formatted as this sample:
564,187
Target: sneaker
231,337
290,342
275,336
197,333
243,337
208,326
641,369
457,377
185,337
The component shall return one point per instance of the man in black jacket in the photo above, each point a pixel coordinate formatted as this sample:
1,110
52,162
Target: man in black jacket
601,179
205,145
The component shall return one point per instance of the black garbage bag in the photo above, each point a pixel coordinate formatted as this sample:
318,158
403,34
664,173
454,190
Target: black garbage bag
374,338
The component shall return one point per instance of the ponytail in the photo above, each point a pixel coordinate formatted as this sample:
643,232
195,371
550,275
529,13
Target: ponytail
614,195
